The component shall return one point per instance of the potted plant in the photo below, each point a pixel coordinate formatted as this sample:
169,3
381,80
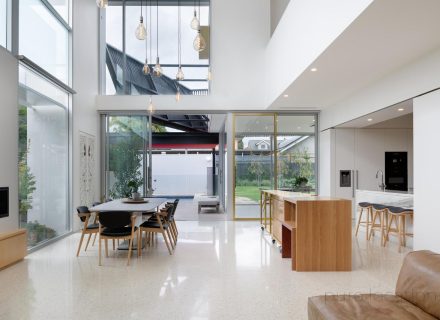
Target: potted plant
134,185
300,182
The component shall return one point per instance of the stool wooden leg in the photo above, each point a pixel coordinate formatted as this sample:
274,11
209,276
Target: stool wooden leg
359,222
372,224
400,233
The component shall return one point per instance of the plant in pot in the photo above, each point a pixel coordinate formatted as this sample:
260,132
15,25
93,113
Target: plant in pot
300,182
134,186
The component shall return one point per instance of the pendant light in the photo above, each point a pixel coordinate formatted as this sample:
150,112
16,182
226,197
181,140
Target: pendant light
141,32
209,77
195,23
179,76
199,43
178,93
146,68
151,106
102,4
157,70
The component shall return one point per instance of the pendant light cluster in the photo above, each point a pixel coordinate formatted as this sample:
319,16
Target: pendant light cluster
141,33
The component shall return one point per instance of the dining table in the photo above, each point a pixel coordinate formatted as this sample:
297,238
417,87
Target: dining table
145,206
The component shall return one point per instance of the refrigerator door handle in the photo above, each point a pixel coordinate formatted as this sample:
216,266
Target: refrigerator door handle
357,179
352,183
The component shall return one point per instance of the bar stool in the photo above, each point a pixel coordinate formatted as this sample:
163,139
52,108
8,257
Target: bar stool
398,216
368,221
379,212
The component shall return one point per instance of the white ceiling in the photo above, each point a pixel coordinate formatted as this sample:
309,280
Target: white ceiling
386,36
390,118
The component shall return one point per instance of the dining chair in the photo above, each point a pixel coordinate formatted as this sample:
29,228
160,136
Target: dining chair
84,215
169,218
153,226
117,225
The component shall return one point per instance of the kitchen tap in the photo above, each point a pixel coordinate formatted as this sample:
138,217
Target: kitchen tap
382,185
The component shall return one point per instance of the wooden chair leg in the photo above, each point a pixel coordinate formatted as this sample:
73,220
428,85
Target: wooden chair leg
168,232
139,247
88,240
372,224
93,243
400,233
389,228
166,242
80,244
359,221
106,248
129,249
100,250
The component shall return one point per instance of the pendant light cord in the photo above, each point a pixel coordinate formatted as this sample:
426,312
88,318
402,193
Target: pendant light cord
146,38
179,36
200,20
157,28
141,9
151,34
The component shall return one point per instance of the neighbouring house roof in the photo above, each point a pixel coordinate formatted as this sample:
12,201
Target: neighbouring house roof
135,79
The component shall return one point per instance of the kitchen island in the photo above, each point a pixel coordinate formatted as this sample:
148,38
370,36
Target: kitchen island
402,199
315,232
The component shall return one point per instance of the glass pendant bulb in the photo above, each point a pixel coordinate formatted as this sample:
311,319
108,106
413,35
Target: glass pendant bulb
157,70
199,42
141,32
178,94
146,68
150,106
102,3
180,76
195,24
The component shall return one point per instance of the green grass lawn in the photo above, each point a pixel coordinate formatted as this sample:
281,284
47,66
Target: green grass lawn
251,192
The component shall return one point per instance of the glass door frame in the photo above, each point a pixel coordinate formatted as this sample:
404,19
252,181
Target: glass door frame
275,115
147,159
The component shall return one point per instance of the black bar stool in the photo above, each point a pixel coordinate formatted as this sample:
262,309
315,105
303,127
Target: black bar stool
398,216
368,207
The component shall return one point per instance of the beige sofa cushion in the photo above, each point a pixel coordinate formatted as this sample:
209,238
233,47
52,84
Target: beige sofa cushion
419,281
364,307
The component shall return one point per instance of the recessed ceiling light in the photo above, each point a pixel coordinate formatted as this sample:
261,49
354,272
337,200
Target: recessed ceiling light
400,109
369,119
314,69
286,96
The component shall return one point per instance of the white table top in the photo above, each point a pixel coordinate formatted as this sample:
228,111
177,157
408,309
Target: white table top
118,205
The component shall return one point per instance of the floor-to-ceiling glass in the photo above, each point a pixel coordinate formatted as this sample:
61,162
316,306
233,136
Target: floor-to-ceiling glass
296,148
272,151
127,157
43,158
254,149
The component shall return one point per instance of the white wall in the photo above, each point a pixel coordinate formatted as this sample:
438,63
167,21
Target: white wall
237,62
85,83
277,8
305,30
426,172
414,79
9,136
187,178
362,150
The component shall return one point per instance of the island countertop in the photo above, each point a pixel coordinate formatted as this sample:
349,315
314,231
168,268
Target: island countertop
388,197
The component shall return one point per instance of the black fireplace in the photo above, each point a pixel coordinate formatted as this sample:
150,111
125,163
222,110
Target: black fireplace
4,202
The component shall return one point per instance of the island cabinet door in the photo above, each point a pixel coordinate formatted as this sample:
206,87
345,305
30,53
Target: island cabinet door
323,235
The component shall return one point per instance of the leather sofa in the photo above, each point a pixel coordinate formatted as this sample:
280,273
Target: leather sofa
417,295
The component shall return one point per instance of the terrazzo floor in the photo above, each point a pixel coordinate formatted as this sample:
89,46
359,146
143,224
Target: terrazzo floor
219,270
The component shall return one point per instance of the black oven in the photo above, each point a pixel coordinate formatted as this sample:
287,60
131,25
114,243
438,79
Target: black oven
4,202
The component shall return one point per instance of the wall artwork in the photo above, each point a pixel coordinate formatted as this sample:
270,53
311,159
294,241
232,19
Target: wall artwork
87,169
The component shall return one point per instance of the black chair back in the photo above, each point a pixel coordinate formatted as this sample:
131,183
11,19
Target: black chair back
96,204
82,209
115,219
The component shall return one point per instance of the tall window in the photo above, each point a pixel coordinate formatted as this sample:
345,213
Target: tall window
127,65
5,23
43,158
44,109
44,38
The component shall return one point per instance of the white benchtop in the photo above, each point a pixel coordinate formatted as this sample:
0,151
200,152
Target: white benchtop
388,197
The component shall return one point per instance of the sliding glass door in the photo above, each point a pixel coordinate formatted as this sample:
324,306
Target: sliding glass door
272,151
127,156
254,162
